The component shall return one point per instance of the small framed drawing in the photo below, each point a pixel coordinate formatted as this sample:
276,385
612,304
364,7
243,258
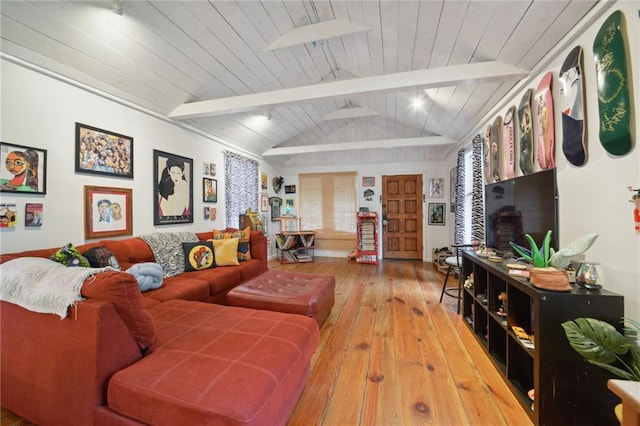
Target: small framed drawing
209,190
436,188
436,213
172,189
102,152
264,202
108,212
25,169
264,179
368,181
289,189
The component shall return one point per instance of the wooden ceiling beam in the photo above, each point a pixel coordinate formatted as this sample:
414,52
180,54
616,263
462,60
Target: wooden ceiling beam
426,79
374,144
317,32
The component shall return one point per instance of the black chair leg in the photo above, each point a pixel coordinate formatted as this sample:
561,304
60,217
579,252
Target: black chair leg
444,286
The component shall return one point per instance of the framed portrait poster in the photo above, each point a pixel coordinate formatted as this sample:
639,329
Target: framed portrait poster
209,190
264,203
172,189
24,169
102,152
108,212
289,189
368,181
436,213
264,179
436,188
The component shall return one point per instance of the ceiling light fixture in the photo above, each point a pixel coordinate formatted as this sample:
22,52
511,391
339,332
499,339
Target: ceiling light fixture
116,6
267,115
418,102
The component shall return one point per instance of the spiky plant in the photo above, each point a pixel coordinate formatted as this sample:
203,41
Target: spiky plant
537,257
602,345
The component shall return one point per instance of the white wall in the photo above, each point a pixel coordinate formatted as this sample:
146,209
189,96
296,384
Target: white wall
434,236
41,112
594,197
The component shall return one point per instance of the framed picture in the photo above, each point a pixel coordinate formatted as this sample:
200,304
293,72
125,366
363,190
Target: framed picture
172,189
24,170
436,213
289,189
209,190
368,181
264,179
264,203
33,214
108,212
453,188
8,215
436,188
102,152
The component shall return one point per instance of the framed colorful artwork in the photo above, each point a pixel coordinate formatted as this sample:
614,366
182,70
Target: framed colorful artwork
368,181
436,214
108,212
209,190
102,152
264,203
264,179
33,214
25,169
172,189
289,189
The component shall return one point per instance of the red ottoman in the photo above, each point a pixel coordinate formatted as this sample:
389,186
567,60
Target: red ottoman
312,295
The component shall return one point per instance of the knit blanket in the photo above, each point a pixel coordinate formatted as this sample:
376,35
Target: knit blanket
42,285
167,249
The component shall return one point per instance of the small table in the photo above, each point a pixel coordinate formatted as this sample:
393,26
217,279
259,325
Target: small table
629,392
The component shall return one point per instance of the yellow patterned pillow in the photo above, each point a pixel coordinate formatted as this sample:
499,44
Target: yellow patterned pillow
226,251
244,248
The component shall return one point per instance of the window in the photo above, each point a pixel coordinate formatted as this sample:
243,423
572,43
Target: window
240,186
328,203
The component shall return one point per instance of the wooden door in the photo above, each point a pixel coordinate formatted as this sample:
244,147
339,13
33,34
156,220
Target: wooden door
402,217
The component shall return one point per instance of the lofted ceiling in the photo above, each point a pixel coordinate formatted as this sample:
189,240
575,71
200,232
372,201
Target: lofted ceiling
300,82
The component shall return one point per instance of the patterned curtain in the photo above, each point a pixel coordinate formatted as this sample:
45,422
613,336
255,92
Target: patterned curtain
458,236
477,209
240,187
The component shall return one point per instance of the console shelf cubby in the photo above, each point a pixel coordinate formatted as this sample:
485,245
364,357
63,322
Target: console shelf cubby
567,389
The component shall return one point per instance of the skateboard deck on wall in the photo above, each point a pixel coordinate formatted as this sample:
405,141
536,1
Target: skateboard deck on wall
574,141
496,149
526,133
543,107
486,148
613,90
508,144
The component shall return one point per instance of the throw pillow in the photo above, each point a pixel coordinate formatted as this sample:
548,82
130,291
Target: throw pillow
226,251
148,274
198,256
70,256
100,257
244,247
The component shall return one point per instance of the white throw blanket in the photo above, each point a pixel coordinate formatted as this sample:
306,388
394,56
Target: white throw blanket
42,285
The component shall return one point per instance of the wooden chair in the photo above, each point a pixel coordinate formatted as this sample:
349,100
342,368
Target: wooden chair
454,265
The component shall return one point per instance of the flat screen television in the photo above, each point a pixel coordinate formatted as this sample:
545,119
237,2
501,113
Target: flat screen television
523,205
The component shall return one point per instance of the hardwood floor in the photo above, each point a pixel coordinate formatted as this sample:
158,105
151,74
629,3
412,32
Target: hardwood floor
390,354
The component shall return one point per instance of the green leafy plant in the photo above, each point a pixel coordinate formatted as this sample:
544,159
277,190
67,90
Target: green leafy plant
537,257
602,345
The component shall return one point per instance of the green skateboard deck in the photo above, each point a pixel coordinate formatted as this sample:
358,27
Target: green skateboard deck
574,143
544,115
508,144
613,89
496,149
526,133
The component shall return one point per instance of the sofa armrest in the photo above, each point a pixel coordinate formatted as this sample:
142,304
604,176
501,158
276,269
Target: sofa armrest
259,245
56,371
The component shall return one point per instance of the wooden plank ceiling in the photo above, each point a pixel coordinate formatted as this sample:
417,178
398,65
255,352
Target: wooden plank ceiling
163,54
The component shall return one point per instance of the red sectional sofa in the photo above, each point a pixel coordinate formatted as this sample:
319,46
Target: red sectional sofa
166,357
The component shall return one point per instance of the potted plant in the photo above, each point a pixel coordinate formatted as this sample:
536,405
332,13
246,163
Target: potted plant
602,345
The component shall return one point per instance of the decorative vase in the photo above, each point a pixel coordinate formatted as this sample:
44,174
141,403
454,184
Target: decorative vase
549,279
590,275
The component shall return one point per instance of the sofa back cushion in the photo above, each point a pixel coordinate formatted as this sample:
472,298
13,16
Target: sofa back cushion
121,289
129,251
